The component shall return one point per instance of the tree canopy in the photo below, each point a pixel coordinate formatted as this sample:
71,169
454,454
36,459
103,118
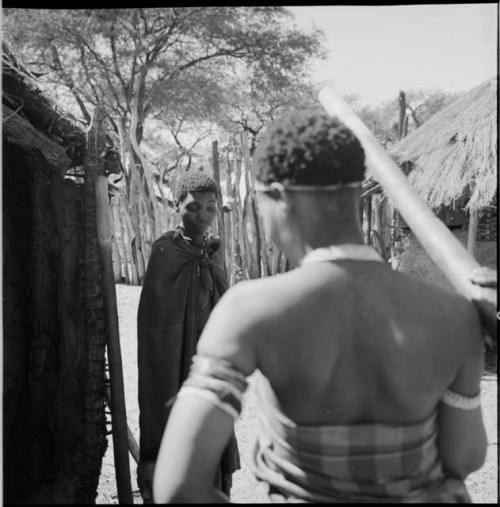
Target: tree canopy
160,59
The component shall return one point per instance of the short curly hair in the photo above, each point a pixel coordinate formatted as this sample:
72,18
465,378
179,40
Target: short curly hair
194,181
309,147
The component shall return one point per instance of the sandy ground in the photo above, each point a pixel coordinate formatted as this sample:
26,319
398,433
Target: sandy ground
482,485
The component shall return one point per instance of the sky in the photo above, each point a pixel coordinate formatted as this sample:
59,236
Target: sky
375,51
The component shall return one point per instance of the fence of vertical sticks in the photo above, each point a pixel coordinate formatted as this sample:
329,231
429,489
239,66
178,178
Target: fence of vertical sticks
246,251
249,255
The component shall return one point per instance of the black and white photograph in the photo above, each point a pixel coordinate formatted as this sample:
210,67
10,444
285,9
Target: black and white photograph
249,254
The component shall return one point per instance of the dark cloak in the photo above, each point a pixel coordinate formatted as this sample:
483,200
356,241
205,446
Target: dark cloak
168,329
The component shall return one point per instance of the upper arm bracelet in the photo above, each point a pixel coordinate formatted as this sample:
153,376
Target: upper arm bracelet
460,401
217,381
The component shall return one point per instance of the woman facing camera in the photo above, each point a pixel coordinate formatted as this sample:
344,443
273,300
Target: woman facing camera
184,280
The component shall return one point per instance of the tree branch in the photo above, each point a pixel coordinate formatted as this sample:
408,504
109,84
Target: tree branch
145,21
104,67
87,75
414,115
68,81
160,43
115,60
100,94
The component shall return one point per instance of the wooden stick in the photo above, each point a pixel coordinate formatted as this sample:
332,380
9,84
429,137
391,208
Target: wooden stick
133,446
472,232
220,214
441,245
118,412
368,219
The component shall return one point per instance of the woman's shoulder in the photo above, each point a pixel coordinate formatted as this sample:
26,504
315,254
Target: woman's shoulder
263,298
166,238
451,311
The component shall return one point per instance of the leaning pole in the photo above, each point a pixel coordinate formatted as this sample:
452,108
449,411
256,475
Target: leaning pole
118,412
442,246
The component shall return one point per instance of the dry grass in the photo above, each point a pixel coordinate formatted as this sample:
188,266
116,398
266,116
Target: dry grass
23,98
454,154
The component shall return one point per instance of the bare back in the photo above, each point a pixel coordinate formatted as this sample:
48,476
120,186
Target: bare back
357,341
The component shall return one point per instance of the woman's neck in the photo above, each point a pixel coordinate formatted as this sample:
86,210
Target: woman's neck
196,238
320,236
324,220
317,234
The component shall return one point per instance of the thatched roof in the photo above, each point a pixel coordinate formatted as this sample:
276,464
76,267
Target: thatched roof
34,122
454,154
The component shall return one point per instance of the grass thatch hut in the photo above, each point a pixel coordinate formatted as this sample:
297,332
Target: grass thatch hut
454,154
54,323
451,161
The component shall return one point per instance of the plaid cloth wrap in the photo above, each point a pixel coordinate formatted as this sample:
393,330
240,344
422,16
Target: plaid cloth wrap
374,463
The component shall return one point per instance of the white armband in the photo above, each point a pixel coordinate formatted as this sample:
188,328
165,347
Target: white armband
217,381
460,401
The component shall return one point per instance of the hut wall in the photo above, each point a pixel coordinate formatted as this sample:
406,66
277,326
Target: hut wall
17,315
45,348
487,225
415,260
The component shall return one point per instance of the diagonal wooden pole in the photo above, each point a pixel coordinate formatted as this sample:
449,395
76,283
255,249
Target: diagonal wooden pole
441,245
118,411
133,446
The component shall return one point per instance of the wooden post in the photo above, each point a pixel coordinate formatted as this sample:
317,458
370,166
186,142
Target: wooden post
248,256
402,114
377,236
220,214
114,244
254,263
405,128
441,245
130,221
240,250
368,219
259,239
94,339
118,224
128,234
390,232
472,232
118,412
228,221
275,260
133,446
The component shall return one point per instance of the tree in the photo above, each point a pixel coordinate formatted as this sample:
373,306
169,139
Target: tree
383,118
422,104
256,102
136,63
132,60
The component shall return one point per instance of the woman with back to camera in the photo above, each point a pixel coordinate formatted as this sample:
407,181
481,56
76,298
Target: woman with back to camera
368,383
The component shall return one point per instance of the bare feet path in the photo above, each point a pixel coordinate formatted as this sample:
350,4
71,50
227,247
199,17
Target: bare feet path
482,485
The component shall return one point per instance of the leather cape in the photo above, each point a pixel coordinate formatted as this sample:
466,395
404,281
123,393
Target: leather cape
168,331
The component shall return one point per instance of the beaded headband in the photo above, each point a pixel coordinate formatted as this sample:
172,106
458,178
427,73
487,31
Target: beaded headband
263,187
